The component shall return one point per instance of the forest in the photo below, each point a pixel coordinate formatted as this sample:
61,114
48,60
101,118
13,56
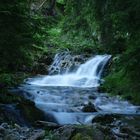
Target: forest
32,32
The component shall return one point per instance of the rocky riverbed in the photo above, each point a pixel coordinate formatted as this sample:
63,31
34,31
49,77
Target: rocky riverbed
111,130
34,111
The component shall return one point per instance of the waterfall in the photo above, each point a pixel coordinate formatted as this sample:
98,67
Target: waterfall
64,94
87,75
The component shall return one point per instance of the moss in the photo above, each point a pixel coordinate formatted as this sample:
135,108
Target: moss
80,136
85,132
12,79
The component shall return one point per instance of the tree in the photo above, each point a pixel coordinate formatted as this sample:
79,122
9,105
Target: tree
16,34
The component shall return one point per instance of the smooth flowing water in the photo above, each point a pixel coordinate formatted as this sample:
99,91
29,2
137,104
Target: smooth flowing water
87,75
65,94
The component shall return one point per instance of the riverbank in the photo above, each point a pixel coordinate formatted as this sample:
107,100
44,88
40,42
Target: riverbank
100,130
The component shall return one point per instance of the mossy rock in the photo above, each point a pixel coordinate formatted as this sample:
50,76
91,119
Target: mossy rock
105,118
27,108
83,132
89,108
80,136
30,112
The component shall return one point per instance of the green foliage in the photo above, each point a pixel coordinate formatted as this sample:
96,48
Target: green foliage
87,26
15,34
120,32
9,79
124,77
22,37
104,26
79,29
60,1
80,136
77,44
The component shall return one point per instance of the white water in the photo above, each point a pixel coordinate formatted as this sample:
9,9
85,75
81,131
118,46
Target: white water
87,75
64,95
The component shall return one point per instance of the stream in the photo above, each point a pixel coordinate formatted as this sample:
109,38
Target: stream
69,94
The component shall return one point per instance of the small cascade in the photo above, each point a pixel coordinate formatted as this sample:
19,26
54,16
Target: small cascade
65,93
65,62
86,75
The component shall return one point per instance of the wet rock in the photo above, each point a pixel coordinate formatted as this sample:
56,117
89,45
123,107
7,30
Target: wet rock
16,132
5,125
122,135
79,58
37,135
2,130
30,112
78,132
89,108
66,62
92,97
129,130
64,133
45,124
12,137
125,129
40,68
46,59
104,118
24,113
105,129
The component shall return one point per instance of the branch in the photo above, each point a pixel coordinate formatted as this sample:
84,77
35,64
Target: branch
41,4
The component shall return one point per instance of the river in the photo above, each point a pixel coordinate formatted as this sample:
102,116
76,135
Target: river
65,94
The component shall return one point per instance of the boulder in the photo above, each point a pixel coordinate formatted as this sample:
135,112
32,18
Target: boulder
12,137
2,131
64,133
30,112
89,108
37,135
93,97
104,118
78,132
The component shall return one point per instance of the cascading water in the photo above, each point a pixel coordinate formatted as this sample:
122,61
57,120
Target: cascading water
64,95
87,75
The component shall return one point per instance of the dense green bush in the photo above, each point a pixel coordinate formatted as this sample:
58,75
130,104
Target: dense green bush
16,36
22,37
79,31
108,26
9,79
124,18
